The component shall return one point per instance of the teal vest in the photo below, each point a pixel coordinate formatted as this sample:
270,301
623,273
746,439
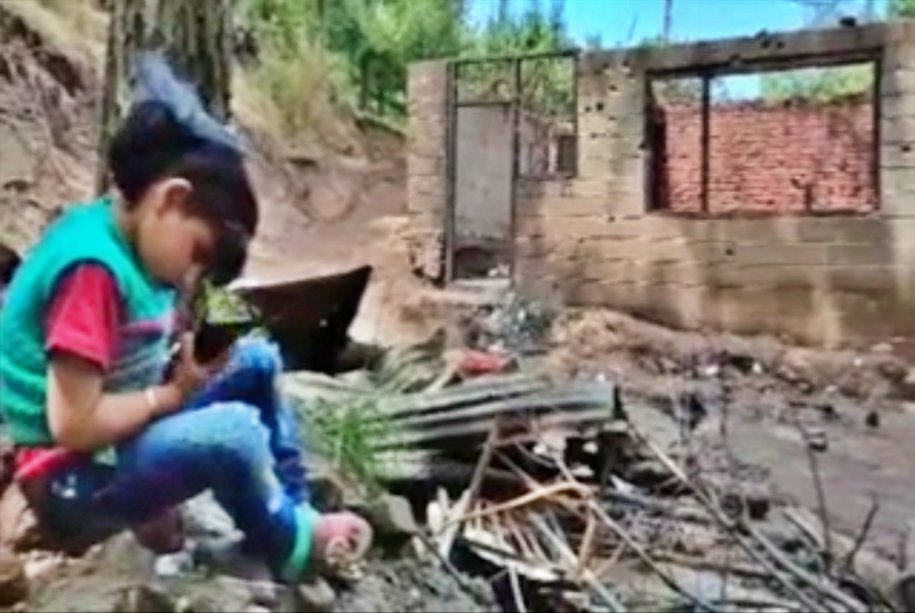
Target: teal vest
85,233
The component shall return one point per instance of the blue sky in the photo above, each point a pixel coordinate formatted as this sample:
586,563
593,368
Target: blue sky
627,21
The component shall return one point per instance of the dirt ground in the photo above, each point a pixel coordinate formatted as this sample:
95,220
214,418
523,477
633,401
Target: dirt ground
349,212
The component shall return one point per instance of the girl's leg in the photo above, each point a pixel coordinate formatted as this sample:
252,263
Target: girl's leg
252,377
225,448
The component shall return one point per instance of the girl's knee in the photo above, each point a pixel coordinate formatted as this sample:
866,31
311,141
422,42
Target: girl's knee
234,430
257,355
224,432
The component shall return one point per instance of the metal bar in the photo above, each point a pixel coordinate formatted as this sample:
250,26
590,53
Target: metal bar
516,169
575,117
650,175
481,103
451,162
761,66
511,58
877,131
706,139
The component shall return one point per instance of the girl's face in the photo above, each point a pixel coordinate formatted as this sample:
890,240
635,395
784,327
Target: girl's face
176,247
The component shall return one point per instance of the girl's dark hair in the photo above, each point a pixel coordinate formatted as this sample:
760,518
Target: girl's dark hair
152,145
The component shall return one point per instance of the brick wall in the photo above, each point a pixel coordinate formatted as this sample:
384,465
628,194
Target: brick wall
824,280
768,157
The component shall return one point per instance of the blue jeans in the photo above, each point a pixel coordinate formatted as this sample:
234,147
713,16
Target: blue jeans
236,437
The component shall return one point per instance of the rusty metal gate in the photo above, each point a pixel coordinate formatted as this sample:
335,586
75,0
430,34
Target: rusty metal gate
491,104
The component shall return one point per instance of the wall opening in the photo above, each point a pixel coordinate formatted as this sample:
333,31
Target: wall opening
510,119
800,141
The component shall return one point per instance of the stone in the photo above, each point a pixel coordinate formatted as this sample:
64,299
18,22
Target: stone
14,584
316,596
144,598
394,514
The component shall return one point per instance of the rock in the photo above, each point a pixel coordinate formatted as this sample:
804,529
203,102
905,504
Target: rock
903,593
14,584
316,596
228,558
405,586
144,598
648,474
219,594
40,564
743,496
393,514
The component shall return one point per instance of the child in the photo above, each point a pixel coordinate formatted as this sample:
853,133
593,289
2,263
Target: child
86,331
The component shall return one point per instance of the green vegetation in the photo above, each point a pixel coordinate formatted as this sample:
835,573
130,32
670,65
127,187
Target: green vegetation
356,53
824,84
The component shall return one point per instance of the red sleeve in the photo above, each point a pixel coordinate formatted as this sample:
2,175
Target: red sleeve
85,315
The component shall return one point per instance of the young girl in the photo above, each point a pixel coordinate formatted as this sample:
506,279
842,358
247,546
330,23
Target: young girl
85,334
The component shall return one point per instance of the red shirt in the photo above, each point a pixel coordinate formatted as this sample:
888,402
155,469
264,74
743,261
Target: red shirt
85,314
83,319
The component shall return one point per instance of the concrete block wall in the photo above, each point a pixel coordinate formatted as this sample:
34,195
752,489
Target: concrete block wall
822,280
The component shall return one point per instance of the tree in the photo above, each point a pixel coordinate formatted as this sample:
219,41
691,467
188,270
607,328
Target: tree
824,84
900,9
196,38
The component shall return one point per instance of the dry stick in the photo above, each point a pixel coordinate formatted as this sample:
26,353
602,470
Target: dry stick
470,494
517,596
743,569
612,561
803,521
445,562
614,526
745,544
587,576
849,564
587,545
822,509
521,501
646,559
725,428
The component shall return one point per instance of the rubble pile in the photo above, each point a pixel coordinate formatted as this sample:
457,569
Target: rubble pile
567,500
494,485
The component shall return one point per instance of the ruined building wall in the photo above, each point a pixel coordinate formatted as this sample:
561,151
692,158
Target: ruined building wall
772,157
820,279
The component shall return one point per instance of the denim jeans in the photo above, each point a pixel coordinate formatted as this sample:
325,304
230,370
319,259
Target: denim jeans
236,437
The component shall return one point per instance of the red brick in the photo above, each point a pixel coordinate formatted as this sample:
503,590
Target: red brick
770,157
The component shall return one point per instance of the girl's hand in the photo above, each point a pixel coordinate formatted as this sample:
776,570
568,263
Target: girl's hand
188,375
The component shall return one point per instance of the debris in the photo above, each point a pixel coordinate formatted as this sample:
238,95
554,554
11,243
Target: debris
559,489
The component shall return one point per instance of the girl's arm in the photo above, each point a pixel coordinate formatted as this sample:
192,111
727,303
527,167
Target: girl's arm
83,418
82,334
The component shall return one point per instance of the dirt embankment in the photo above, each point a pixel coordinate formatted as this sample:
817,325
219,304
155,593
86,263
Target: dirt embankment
315,200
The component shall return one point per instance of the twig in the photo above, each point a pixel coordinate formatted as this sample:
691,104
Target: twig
737,568
745,543
445,562
587,576
517,596
660,507
647,559
612,560
822,509
849,563
623,535
521,501
467,498
587,545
